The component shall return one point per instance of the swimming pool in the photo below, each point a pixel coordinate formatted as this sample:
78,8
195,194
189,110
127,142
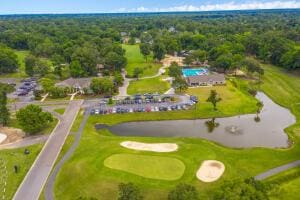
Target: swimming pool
194,72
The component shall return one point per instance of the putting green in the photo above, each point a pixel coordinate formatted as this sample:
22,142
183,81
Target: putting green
154,167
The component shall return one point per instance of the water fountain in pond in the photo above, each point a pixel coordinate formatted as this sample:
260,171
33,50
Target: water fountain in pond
233,130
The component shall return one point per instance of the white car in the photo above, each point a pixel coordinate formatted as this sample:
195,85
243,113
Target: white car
131,110
152,109
97,112
114,110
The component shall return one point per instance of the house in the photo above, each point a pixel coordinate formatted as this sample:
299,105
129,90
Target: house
77,84
202,80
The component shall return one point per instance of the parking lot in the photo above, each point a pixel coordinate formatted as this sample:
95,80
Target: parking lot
143,103
24,90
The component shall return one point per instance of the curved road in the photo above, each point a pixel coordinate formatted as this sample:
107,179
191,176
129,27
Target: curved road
35,179
49,189
25,142
277,170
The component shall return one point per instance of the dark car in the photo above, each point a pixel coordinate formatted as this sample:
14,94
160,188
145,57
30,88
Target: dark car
22,93
194,99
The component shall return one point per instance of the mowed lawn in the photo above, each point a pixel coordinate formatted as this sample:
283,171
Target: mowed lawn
149,85
86,175
18,158
136,60
153,167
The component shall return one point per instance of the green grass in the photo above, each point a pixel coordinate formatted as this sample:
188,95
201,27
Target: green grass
150,85
153,167
17,157
88,177
136,59
60,110
286,184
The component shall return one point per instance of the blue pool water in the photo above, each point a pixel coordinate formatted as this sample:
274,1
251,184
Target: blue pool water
194,72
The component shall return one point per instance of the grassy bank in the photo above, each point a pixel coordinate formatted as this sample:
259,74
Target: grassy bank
136,60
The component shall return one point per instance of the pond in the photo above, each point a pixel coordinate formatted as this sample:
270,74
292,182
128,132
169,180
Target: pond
263,130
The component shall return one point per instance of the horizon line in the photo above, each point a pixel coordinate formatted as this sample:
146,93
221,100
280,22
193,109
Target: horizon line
142,12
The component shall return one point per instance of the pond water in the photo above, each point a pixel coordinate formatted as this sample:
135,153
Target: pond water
239,131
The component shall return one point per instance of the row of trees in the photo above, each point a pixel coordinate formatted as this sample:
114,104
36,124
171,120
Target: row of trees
83,43
236,189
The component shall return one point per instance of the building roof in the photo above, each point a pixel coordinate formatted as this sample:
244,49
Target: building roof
206,78
75,82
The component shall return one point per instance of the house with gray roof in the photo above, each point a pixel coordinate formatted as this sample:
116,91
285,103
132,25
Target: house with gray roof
203,80
77,84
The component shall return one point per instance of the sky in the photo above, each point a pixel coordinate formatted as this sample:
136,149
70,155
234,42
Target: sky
117,6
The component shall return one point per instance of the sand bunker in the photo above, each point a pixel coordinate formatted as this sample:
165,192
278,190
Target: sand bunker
156,147
2,137
210,171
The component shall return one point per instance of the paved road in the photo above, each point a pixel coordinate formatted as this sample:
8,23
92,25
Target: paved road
277,170
36,178
49,189
25,142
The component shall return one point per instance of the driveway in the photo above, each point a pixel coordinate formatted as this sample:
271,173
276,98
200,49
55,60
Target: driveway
34,181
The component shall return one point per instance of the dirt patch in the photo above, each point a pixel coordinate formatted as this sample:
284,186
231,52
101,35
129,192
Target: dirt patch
169,59
210,171
12,134
155,147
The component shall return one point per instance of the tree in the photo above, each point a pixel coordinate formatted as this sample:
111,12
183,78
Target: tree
174,70
224,62
32,119
145,50
137,72
291,59
102,86
8,60
180,84
118,78
4,112
58,92
116,61
42,68
159,51
214,98
131,41
30,64
88,57
47,84
76,69
242,189
129,191
183,192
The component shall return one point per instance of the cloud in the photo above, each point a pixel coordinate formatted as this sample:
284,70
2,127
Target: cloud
223,6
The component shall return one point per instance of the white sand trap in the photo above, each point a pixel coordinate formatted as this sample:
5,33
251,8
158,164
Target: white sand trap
2,137
210,171
156,147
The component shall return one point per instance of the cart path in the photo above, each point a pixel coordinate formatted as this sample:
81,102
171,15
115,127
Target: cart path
49,189
277,170
28,141
35,179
